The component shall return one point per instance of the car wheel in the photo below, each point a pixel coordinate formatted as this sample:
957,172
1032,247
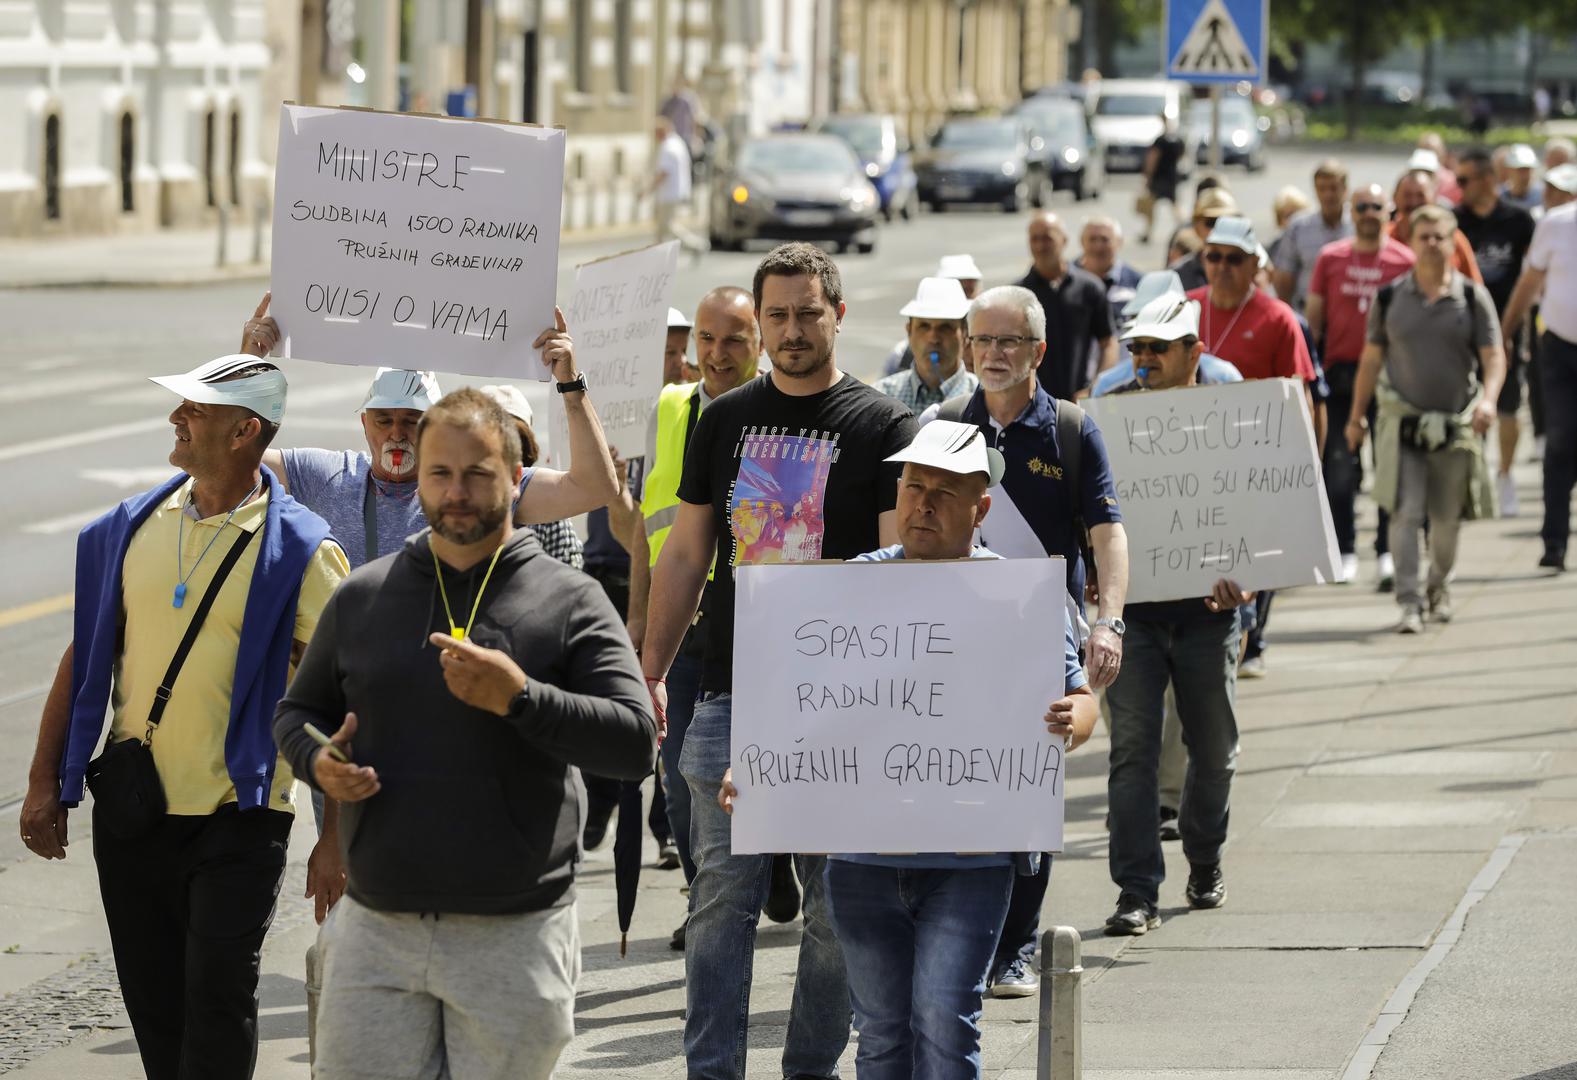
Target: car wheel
865,247
934,206
1014,202
1080,192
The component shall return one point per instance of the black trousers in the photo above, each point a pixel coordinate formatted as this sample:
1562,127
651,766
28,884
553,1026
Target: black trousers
188,905
1558,368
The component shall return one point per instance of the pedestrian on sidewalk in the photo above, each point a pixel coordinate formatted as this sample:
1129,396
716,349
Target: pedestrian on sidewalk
959,268
919,931
669,188
463,678
787,468
1551,273
192,804
1080,338
1190,646
1162,173
1430,334
935,325
1347,275
1306,235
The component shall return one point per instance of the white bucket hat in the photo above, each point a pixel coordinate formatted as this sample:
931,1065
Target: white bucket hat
263,393
1166,318
937,298
955,448
959,268
512,400
397,388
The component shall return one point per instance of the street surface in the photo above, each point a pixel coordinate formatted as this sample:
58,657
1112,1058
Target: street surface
1386,785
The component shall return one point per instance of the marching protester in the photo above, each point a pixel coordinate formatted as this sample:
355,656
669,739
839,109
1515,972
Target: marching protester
192,804
919,931
1519,189
755,490
1080,339
1306,235
959,268
1347,275
1211,206
1057,486
1416,188
1430,334
463,679
1100,250
1212,369
936,338
676,350
1190,646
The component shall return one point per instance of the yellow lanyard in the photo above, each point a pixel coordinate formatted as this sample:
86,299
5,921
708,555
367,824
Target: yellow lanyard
456,631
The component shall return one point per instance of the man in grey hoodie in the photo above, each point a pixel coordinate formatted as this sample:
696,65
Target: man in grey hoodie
474,675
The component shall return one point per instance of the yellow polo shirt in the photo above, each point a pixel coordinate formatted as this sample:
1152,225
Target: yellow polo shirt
189,743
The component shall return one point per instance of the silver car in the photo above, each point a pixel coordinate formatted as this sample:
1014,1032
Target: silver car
795,187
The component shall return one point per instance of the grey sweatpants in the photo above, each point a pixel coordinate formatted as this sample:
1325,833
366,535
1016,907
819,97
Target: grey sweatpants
446,997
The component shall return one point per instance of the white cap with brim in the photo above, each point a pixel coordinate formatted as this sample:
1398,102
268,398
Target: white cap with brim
1155,283
263,393
1563,178
1166,318
1424,160
398,388
955,448
1235,232
512,400
1521,156
937,298
959,268
677,320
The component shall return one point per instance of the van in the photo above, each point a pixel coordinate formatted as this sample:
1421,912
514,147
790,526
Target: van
1127,120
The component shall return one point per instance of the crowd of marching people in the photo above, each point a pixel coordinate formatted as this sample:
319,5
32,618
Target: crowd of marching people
468,687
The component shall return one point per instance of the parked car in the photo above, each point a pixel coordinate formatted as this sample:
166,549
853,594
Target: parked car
1128,118
982,160
1242,131
886,155
795,187
1069,151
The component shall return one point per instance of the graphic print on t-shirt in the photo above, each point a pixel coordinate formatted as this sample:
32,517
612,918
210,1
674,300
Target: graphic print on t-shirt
776,503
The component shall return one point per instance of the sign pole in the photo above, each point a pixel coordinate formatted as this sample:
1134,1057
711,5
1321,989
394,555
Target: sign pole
1215,127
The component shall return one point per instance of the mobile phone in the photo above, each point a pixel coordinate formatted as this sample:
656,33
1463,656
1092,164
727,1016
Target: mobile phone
327,743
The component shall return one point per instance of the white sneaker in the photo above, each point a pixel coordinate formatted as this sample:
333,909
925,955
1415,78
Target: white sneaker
1349,568
1252,667
1385,573
1506,495
1412,621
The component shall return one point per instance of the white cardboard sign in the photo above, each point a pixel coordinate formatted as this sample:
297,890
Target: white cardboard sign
898,706
419,242
618,317
1218,481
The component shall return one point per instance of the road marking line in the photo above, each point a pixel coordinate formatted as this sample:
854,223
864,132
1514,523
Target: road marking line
62,385
36,610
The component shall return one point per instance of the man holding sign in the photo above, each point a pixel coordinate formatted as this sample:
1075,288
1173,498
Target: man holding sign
920,931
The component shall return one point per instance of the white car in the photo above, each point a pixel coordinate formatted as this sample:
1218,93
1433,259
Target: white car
1128,118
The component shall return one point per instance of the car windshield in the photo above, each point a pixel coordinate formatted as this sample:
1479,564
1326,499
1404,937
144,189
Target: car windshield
796,155
1120,104
862,133
1056,125
979,135
1235,112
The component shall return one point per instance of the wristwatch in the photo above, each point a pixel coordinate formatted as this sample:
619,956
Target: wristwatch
520,702
1117,626
577,383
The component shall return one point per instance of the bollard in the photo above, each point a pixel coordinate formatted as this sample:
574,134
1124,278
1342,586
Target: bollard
224,224
259,215
1060,1055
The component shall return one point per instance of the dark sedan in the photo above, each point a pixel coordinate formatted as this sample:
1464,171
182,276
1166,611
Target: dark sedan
795,187
885,154
977,160
1067,150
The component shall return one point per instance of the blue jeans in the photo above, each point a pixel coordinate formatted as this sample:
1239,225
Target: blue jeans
725,904
684,686
919,943
1199,658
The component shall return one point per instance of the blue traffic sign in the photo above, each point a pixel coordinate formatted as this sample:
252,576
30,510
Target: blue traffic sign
1216,41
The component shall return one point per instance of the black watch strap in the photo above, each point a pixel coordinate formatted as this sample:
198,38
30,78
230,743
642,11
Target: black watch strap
577,383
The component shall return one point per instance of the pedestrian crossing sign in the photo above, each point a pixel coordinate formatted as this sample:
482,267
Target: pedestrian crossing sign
1216,40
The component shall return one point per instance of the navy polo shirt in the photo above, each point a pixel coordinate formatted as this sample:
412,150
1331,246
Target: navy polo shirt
1041,497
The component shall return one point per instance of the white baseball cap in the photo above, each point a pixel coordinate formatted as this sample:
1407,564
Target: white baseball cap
1424,160
1521,156
1563,178
512,400
397,388
955,448
937,298
959,268
1155,283
677,320
263,393
1166,318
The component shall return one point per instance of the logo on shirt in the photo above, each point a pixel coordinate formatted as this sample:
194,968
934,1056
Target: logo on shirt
776,506
1039,468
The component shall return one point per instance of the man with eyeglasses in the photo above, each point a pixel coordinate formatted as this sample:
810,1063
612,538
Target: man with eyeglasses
1080,339
1347,275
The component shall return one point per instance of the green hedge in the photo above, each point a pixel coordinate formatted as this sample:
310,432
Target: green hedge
1403,126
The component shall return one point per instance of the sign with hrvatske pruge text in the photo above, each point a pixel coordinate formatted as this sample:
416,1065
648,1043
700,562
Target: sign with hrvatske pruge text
898,706
1218,481
422,242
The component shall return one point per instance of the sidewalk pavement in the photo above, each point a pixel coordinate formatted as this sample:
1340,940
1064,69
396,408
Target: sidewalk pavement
1402,860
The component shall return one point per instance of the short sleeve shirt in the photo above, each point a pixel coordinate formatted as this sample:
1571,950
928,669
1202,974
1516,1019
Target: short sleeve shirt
1500,242
673,161
1432,346
1261,338
1298,248
789,479
1347,281
1077,316
1554,253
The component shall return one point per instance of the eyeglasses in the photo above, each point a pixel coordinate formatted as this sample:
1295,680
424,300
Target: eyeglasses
1235,259
1156,348
1007,343
1368,207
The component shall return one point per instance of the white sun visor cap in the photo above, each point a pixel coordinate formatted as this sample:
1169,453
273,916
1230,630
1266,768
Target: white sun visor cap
397,388
677,320
955,448
512,400
263,393
1155,283
959,268
1166,318
937,298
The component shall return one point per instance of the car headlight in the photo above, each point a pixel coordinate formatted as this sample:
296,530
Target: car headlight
1070,155
872,169
1240,138
1010,168
741,194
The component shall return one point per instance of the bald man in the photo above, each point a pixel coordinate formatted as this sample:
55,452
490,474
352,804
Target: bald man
1080,338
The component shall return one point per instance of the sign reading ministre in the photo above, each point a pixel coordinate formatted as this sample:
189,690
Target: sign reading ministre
415,241
618,316
1218,481
898,706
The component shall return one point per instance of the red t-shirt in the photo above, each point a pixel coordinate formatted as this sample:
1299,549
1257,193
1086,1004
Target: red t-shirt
1348,280
1262,338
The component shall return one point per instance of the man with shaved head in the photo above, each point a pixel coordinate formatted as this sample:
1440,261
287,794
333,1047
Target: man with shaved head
1080,339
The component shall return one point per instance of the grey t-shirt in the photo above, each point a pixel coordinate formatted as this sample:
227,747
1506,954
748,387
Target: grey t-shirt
1297,249
1432,347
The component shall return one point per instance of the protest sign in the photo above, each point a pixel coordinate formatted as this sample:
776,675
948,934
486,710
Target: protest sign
420,242
1218,481
618,316
898,706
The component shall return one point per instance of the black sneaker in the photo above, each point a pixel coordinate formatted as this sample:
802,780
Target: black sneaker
1168,826
1206,887
1132,917
1553,560
783,898
676,943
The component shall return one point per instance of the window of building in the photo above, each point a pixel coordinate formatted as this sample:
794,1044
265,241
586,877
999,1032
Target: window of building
581,43
622,34
235,157
209,121
52,168
128,163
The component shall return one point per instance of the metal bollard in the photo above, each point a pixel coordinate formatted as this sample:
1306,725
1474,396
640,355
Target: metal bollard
1061,1053
259,215
224,227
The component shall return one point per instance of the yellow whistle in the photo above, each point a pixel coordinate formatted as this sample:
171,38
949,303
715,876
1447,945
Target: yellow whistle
457,632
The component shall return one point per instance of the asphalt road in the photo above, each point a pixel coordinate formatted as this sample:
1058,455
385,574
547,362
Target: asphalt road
84,428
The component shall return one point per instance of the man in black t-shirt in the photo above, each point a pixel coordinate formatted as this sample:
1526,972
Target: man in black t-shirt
1079,334
786,468
1162,172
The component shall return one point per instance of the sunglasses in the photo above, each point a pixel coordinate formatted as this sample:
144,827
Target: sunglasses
1154,348
1236,258
1464,181
1368,207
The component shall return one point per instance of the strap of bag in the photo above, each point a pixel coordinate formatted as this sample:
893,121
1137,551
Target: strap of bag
369,518
161,696
1070,447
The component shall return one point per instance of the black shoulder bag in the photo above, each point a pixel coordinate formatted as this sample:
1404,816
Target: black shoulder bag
124,779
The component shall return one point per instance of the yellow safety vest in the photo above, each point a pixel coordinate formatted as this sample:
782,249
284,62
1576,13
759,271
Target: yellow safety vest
677,407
